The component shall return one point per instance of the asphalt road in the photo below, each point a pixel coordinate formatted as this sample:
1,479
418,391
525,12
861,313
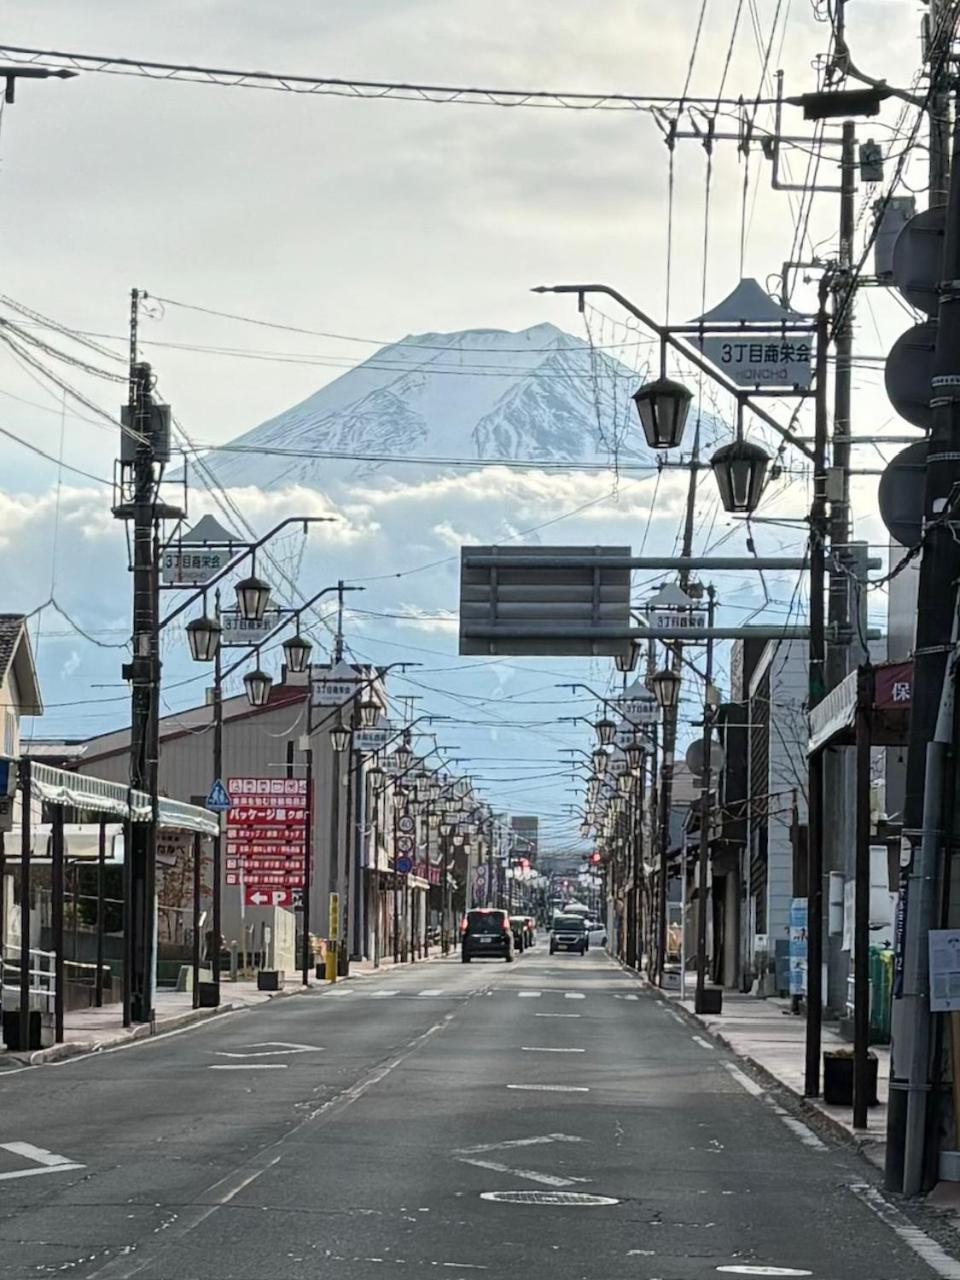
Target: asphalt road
542,1119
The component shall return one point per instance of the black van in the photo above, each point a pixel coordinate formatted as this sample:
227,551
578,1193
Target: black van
486,931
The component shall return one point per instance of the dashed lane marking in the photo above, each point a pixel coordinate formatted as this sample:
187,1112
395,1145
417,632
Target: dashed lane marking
433,991
529,995
551,1088
529,1175
566,1199
763,1271
704,1044
509,1143
534,1048
248,1066
574,995
744,1080
918,1241
557,1015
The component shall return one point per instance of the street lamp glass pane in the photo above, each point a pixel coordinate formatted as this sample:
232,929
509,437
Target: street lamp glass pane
662,407
339,737
203,637
253,596
296,653
258,685
369,710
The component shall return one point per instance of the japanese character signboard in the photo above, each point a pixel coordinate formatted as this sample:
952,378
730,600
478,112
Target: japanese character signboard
236,630
334,685
772,357
893,686
265,844
191,566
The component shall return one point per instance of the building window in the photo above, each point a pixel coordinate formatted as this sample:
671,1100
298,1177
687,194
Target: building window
9,732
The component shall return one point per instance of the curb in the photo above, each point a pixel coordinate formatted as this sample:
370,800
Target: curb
864,1146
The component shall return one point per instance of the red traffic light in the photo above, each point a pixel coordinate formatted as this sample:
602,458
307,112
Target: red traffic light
595,857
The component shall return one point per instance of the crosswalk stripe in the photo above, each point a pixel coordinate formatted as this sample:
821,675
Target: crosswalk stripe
529,994
433,991
574,995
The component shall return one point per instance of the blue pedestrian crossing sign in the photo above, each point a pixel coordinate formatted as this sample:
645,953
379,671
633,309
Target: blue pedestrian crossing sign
219,798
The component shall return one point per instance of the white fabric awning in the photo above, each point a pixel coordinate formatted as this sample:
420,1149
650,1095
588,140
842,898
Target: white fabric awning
836,712
80,791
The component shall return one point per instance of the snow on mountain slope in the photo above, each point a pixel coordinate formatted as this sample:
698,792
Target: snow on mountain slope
481,393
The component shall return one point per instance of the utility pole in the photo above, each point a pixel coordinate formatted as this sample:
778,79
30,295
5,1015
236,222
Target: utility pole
838,827
815,692
216,922
143,671
706,815
923,821
670,722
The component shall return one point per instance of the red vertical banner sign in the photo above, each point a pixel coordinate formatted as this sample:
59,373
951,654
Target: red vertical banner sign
266,839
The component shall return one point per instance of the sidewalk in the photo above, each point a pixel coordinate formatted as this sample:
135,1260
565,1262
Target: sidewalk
772,1039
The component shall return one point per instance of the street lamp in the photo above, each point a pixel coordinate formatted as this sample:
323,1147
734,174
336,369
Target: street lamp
606,732
741,469
600,760
369,710
634,751
375,777
253,596
662,407
403,755
666,688
451,805
625,783
203,636
339,737
627,662
296,653
258,685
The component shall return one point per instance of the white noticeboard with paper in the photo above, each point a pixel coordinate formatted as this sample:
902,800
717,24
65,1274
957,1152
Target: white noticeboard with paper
944,970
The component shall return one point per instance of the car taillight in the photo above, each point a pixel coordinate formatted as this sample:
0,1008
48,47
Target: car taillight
463,925
506,926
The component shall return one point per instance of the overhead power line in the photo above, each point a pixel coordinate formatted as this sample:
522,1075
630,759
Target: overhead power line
463,95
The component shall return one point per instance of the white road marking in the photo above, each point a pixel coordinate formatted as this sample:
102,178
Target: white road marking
269,1049
464,1266
531,1175
381,994
704,1044
574,995
568,1199
518,1142
248,1066
799,1129
619,997
529,995
763,1271
918,1241
557,1015
433,991
528,1048
551,1088
45,1161
744,1081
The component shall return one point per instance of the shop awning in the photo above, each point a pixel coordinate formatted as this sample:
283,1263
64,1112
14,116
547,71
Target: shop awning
80,791
832,720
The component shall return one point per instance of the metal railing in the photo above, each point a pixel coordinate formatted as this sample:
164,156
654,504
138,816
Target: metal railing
42,989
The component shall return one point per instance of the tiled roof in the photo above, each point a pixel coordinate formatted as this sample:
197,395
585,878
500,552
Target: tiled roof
11,626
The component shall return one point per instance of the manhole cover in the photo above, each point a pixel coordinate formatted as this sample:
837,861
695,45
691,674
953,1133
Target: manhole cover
574,1199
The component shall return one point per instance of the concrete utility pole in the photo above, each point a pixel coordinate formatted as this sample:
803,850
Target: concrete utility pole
670,721
936,607
143,671
838,827
706,817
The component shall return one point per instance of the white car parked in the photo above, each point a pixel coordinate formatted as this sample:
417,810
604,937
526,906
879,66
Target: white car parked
596,933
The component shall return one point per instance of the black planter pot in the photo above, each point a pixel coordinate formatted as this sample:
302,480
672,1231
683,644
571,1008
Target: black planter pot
838,1080
709,1000
269,980
208,995
11,1030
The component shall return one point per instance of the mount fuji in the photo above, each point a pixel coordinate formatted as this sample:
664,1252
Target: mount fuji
538,395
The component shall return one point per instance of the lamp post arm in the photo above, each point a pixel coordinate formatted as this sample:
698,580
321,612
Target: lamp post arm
249,549
689,352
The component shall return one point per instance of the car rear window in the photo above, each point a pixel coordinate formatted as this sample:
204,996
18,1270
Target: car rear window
485,921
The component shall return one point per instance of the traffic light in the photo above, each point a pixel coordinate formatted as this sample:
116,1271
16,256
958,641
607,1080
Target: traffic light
595,857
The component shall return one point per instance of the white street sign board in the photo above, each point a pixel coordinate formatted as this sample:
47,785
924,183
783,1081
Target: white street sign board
242,631
200,554
334,685
373,739
774,357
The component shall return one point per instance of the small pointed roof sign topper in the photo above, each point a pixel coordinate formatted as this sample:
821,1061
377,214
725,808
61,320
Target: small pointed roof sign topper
770,357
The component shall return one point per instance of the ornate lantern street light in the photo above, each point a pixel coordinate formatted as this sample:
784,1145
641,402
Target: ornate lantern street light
296,653
258,685
666,688
253,596
203,636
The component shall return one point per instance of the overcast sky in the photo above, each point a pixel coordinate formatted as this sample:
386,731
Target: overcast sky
372,219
